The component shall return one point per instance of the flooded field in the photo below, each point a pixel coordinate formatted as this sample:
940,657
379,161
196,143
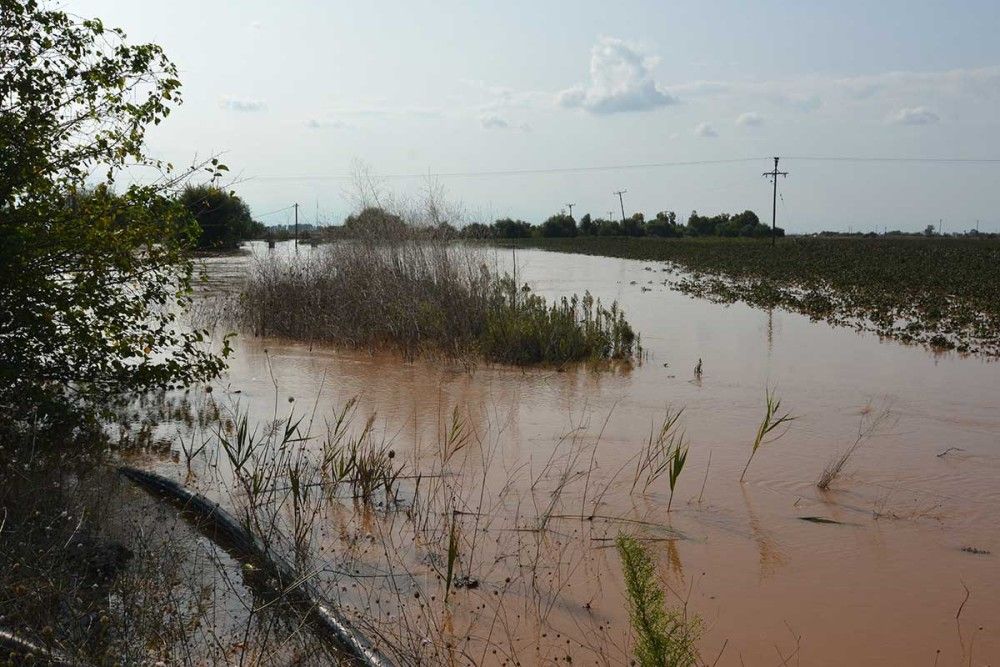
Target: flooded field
896,562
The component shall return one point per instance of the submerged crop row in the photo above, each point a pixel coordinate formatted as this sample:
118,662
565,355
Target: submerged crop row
940,292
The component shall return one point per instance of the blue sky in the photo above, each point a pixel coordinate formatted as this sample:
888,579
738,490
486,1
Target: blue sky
293,93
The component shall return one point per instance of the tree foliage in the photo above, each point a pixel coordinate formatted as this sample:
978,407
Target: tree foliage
374,222
90,280
559,225
224,218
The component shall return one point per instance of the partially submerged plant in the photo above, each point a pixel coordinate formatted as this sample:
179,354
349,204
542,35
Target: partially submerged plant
769,423
870,423
665,636
422,296
677,459
665,452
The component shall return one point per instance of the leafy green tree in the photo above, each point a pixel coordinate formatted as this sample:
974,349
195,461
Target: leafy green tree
511,229
223,217
476,230
608,227
559,225
91,280
740,224
586,226
375,222
664,225
635,225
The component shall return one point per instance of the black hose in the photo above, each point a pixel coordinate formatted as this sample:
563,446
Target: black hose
13,644
229,534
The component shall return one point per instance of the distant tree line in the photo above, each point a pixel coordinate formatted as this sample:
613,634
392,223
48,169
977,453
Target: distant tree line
663,225
928,231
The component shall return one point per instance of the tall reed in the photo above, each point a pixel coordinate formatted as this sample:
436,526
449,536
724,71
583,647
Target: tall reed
419,296
771,421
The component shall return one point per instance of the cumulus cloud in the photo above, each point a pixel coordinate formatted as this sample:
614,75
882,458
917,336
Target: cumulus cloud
798,101
490,121
914,116
750,119
621,79
705,130
319,124
242,105
701,88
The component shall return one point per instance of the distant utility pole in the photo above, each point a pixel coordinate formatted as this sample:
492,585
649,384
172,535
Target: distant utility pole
774,198
621,202
570,207
296,224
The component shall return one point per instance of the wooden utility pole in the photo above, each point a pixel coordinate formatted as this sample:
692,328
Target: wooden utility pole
296,224
774,198
621,202
570,207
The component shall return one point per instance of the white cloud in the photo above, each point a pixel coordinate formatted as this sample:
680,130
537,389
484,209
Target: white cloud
319,124
621,79
394,111
750,119
914,116
798,101
242,105
705,130
490,121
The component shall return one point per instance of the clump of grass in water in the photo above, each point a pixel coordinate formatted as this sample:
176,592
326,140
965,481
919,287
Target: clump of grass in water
869,424
665,452
530,331
665,636
769,423
426,296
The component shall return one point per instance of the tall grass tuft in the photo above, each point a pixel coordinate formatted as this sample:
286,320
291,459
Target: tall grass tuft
665,452
665,636
870,424
420,296
769,423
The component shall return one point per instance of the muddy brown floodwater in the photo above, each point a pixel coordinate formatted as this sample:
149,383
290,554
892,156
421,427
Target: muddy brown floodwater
916,507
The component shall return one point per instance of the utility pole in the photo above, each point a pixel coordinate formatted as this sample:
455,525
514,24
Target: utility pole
621,202
296,225
774,198
570,207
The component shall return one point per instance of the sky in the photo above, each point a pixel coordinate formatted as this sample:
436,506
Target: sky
519,108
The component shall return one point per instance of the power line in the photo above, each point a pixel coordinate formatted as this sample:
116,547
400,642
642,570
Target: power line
773,175
525,172
914,160
642,165
263,215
